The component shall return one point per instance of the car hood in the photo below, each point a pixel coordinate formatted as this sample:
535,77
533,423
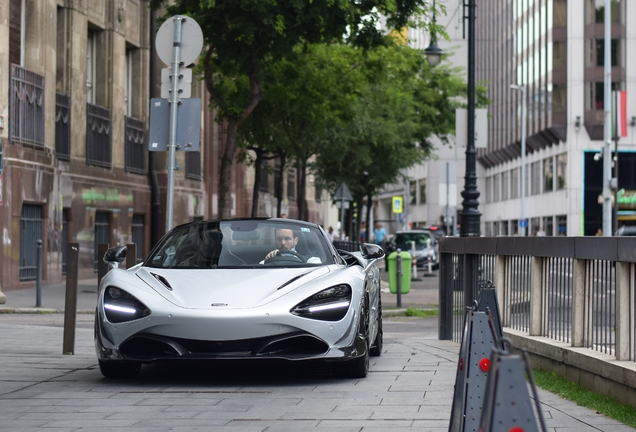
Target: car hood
229,288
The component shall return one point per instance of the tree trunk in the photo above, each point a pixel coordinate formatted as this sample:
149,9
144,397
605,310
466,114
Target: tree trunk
279,186
258,168
302,190
225,201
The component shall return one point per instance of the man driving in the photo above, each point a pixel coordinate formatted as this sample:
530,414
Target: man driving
286,240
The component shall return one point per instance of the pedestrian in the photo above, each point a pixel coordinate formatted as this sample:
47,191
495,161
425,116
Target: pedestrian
331,234
379,234
363,232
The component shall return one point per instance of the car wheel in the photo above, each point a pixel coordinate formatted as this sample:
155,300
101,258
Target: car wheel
356,368
119,370
376,348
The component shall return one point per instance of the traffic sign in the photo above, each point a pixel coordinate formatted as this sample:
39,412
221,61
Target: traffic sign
184,83
342,193
191,40
188,125
397,204
523,223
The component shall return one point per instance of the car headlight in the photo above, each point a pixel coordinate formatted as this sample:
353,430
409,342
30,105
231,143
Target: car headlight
331,304
120,306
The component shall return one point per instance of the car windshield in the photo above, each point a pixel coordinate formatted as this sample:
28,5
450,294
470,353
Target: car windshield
419,238
242,243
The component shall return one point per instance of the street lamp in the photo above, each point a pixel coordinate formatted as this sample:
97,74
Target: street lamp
470,216
522,221
433,52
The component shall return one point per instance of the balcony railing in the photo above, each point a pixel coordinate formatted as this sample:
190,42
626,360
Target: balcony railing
63,126
193,165
98,132
26,112
135,146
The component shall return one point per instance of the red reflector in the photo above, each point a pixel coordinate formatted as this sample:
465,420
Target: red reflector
484,364
461,364
515,429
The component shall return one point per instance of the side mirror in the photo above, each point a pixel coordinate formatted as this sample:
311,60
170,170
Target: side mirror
114,256
371,251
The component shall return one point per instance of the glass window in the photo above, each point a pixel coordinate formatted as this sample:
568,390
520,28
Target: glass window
496,187
514,183
264,186
548,227
600,52
561,167
291,184
488,191
535,178
422,191
596,11
597,92
413,192
90,67
548,175
562,225
505,185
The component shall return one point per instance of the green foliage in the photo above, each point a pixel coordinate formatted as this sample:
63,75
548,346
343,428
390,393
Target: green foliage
572,391
422,313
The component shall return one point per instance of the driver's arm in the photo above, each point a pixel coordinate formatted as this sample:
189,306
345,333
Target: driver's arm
271,254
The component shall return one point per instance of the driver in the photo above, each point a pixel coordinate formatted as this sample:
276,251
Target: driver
286,240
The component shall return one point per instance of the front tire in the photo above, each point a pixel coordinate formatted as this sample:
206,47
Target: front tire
119,370
356,368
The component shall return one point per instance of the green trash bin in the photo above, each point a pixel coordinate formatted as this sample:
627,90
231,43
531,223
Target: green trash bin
406,272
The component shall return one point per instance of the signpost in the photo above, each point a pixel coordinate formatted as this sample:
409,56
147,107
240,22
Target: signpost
342,194
179,42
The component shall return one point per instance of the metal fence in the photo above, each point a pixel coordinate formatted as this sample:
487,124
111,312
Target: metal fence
30,233
98,133
578,290
26,112
135,146
63,126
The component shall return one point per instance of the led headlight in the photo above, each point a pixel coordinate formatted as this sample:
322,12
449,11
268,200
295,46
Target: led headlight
120,306
331,304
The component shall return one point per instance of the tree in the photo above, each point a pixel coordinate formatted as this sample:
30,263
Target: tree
243,36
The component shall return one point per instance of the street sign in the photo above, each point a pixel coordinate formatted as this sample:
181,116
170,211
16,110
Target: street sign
190,45
342,193
184,83
523,223
188,125
481,127
397,204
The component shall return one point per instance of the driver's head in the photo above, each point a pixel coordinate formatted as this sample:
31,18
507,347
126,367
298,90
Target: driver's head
285,239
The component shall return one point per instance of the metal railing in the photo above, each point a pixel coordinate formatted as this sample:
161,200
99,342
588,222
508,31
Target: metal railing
63,126
26,110
98,132
578,290
135,146
30,233
346,245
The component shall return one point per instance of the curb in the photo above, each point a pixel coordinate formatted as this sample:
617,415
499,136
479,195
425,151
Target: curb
40,310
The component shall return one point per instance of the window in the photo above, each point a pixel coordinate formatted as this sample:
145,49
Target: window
561,167
596,11
597,94
413,191
505,185
128,84
138,237
488,191
193,165
562,225
514,183
422,191
64,242
600,52
291,184
277,186
548,175
91,52
548,226
17,34
318,192
101,229
535,178
496,187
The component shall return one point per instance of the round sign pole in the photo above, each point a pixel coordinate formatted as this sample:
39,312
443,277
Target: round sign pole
174,101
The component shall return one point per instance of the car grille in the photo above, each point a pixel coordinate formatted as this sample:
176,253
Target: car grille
149,347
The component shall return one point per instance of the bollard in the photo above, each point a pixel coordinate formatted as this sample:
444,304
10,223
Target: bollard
38,283
398,263
70,301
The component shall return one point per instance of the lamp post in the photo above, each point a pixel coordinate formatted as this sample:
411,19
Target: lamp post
433,52
470,217
524,122
607,128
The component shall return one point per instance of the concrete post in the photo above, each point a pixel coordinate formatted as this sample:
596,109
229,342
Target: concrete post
623,318
578,302
500,285
536,286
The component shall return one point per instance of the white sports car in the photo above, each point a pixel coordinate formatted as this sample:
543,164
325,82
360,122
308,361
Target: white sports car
241,289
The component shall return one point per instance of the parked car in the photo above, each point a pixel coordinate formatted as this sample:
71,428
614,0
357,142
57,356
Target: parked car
207,291
425,246
626,230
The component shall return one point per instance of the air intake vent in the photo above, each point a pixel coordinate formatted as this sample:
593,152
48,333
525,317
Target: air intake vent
163,281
